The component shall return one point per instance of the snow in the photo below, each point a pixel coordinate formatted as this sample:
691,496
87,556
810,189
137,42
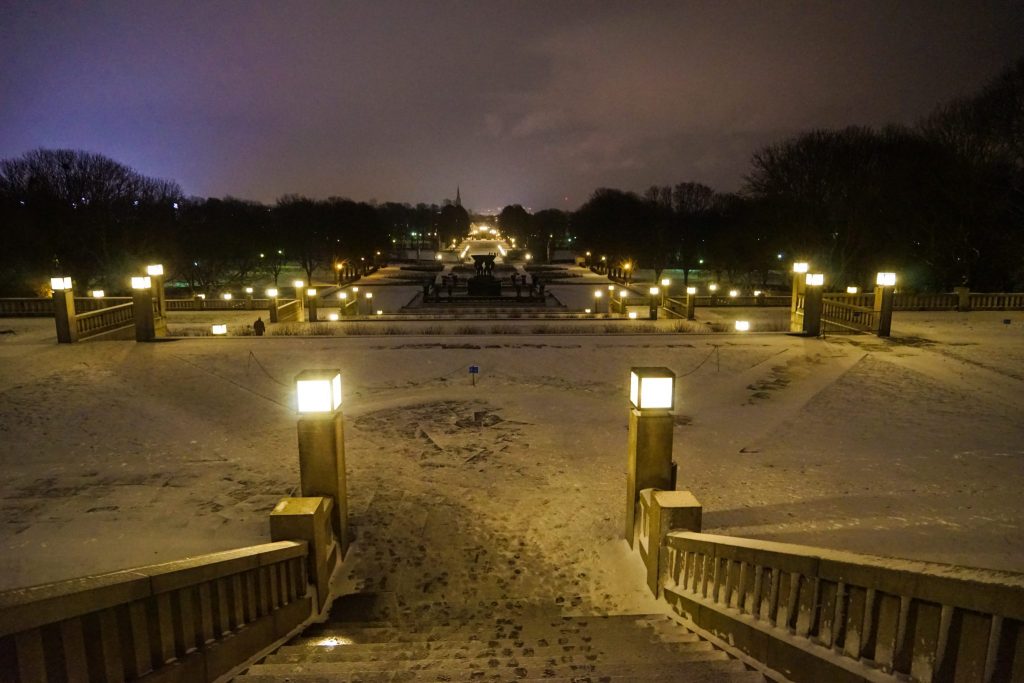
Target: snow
118,454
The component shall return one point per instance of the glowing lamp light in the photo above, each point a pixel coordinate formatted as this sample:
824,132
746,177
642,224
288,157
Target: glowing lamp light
342,295
815,279
758,292
529,257
60,283
97,294
691,290
665,282
298,284
586,310
226,296
886,279
369,295
653,291
852,290
198,296
632,315
437,257
742,325
155,269
142,282
713,287
800,267
272,293
598,294
332,317
337,266
380,312
623,293
248,290
627,266
652,388
355,289
219,329
611,288
310,292
734,293
318,391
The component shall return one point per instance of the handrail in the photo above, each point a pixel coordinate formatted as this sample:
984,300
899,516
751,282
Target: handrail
167,621
848,316
103,320
883,617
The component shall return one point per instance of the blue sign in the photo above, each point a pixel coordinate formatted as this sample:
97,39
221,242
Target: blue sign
474,369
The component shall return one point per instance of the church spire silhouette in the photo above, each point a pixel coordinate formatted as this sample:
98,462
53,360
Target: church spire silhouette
458,196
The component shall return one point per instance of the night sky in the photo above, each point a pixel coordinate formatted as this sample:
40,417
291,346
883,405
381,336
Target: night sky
537,103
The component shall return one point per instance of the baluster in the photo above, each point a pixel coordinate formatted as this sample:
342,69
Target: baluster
887,630
995,635
31,662
204,617
758,589
72,647
794,579
717,578
729,580
773,596
131,623
221,610
275,590
741,594
160,619
705,567
282,583
102,649
250,582
903,647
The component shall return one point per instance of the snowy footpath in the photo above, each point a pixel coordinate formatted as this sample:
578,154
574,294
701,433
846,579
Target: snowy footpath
118,454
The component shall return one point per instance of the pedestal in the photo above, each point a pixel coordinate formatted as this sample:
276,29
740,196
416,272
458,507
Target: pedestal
142,311
650,458
273,310
691,305
64,316
812,311
799,287
322,466
883,309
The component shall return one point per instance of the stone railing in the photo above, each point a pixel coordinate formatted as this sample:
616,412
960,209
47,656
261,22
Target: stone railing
820,615
217,304
997,302
840,316
191,620
289,311
26,308
103,320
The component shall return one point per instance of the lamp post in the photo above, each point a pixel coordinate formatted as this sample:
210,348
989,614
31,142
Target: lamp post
653,293
311,294
691,303
299,285
813,294
369,302
665,282
799,270
623,293
652,399
321,432
142,309
248,298
342,303
272,296
156,273
64,310
598,295
885,284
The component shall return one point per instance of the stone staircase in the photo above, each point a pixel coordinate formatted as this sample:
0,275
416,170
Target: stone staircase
528,647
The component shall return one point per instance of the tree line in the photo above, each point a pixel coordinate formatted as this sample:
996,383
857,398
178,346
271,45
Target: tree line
941,202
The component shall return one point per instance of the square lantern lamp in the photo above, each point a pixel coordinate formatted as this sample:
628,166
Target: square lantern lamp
318,391
652,388
743,326
886,279
801,267
298,284
665,282
155,269
59,284
142,282
598,294
98,293
333,317
713,287
219,329
852,290
815,279
248,290
226,296
691,290
654,291
272,293
311,292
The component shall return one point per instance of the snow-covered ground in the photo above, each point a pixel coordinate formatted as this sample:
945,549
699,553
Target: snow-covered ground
118,454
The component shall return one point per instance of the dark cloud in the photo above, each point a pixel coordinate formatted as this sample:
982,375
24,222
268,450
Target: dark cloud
530,102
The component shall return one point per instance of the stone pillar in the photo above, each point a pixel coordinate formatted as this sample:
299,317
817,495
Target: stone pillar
160,295
273,309
963,298
312,309
322,465
883,309
691,305
142,311
650,458
812,310
309,520
668,511
799,287
653,305
64,316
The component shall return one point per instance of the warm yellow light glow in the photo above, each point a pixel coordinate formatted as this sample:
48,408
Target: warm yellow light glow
298,284
272,293
380,312
248,290
219,329
886,279
529,257
651,388
437,257
713,287
588,253
318,391
631,315
734,293
800,267
758,292
815,279
310,292
141,282
355,289
198,296
627,266
226,296
155,269
342,295
332,316
742,326
598,294
691,290
653,291
60,283
337,266
586,310
623,293
97,294
852,290
369,295
665,282
611,288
